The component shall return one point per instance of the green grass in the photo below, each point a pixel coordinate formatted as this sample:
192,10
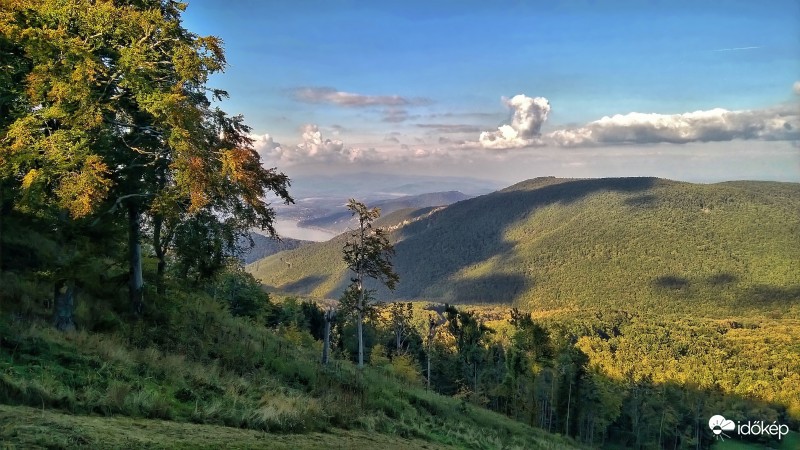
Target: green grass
201,373
26,427
639,243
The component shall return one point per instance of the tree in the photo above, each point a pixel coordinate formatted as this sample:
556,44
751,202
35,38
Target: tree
330,317
368,255
115,122
470,336
400,315
433,325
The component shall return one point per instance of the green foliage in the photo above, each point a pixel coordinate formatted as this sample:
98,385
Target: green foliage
98,133
241,293
368,252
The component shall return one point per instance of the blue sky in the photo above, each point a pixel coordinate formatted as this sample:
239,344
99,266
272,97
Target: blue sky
388,86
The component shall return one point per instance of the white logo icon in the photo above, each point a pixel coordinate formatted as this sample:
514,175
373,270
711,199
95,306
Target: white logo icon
719,425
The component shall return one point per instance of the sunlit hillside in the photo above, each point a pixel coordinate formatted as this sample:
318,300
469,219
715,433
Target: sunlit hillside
620,242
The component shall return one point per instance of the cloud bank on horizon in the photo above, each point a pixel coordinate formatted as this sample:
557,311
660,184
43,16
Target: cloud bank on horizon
781,123
528,115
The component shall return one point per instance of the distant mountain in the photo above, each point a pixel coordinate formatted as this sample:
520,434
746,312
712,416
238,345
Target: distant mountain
265,246
342,220
369,186
623,243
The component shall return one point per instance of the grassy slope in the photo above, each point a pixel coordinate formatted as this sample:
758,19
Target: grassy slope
29,427
222,377
548,243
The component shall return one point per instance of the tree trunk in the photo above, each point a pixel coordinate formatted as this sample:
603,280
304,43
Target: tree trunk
397,338
64,305
428,387
475,377
360,339
158,223
136,282
569,400
327,342
360,310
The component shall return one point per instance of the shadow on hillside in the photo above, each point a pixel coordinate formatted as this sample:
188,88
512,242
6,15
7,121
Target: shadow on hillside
722,279
641,201
671,282
471,232
471,290
303,286
768,295
706,290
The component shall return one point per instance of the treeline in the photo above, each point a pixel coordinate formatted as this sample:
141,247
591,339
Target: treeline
607,379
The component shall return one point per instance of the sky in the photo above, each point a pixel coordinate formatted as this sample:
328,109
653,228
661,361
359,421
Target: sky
509,90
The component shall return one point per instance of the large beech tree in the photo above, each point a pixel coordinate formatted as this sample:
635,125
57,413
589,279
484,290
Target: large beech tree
115,122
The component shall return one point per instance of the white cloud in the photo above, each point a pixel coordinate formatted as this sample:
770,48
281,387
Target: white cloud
699,126
314,145
266,146
796,87
526,122
313,149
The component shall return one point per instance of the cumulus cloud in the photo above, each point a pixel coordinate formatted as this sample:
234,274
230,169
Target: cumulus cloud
796,87
266,146
349,99
526,122
313,148
699,126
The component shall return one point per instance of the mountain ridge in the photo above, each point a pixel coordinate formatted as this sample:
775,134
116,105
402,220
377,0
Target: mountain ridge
551,242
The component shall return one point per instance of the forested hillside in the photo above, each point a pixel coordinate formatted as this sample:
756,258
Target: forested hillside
627,243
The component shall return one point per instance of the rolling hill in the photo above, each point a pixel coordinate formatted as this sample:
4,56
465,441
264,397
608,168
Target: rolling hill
623,243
